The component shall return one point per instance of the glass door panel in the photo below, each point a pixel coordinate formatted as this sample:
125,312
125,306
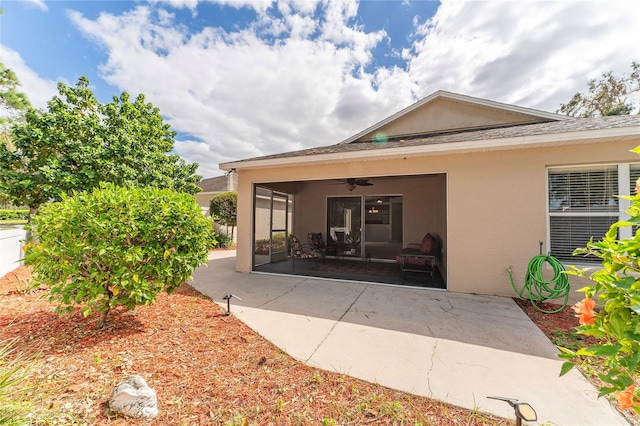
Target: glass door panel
279,221
273,213
262,227
344,226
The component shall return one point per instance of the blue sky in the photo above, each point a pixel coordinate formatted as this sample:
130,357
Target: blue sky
244,78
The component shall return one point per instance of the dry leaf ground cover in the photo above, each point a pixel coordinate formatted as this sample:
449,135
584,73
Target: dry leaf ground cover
207,368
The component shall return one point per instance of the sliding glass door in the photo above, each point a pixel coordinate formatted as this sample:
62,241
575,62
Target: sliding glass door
344,226
366,227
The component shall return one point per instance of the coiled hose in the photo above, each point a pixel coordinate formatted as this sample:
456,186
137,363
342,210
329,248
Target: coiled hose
537,289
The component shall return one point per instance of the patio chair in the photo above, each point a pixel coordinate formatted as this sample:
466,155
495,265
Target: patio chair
421,257
301,251
317,243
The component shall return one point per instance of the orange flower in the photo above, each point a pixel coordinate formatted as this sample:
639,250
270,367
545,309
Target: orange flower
585,310
627,398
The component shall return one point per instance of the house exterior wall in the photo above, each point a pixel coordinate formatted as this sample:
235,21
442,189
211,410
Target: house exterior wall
204,201
493,205
222,184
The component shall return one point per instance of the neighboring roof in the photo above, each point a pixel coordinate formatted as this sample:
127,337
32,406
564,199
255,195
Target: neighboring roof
441,94
214,184
524,135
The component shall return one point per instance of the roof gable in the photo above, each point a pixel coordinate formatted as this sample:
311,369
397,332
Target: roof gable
444,112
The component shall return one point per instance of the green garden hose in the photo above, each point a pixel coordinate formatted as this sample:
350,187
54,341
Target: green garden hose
537,289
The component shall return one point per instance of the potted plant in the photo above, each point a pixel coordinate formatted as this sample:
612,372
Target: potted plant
353,240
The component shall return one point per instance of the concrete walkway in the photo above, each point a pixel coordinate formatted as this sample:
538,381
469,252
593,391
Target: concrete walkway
452,347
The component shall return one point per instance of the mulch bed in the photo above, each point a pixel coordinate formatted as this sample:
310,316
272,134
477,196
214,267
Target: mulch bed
207,368
559,326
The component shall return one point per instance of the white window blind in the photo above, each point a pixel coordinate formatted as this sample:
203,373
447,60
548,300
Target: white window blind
582,204
634,175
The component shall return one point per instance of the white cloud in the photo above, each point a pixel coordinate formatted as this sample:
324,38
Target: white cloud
535,54
198,152
245,96
37,89
296,78
258,5
40,4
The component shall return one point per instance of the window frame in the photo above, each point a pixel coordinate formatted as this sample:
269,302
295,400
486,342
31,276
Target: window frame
625,188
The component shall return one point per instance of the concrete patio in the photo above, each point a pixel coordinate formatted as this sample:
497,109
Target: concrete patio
457,348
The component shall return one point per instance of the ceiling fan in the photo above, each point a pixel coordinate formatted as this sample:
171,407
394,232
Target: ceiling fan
353,182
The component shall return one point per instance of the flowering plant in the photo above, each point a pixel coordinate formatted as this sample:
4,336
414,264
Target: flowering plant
616,324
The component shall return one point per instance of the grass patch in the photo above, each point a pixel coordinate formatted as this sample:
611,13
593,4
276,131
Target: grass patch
21,390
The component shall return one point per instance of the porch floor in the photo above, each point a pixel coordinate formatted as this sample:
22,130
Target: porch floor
354,270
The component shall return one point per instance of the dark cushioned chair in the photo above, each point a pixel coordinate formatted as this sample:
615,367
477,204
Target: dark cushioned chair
420,257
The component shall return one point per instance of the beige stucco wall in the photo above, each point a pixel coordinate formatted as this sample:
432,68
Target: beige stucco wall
204,201
494,207
448,114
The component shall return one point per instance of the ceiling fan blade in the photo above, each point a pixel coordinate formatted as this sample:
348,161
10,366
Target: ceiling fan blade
351,183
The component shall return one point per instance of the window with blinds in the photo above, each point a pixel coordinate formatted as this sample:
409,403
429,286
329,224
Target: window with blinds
583,203
634,175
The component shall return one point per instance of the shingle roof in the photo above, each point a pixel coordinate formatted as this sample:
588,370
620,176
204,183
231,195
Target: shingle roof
549,128
214,184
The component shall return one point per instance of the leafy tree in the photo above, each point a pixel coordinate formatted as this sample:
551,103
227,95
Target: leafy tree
617,324
223,208
115,246
610,95
12,102
79,142
13,105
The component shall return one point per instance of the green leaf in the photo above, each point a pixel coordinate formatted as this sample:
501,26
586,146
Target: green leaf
586,352
617,325
606,391
565,351
566,367
604,350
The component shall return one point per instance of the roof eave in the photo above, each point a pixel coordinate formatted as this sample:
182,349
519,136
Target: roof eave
517,142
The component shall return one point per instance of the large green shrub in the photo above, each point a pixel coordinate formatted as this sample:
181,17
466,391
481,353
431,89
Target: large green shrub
117,246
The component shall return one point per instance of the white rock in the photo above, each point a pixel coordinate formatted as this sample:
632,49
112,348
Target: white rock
134,398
